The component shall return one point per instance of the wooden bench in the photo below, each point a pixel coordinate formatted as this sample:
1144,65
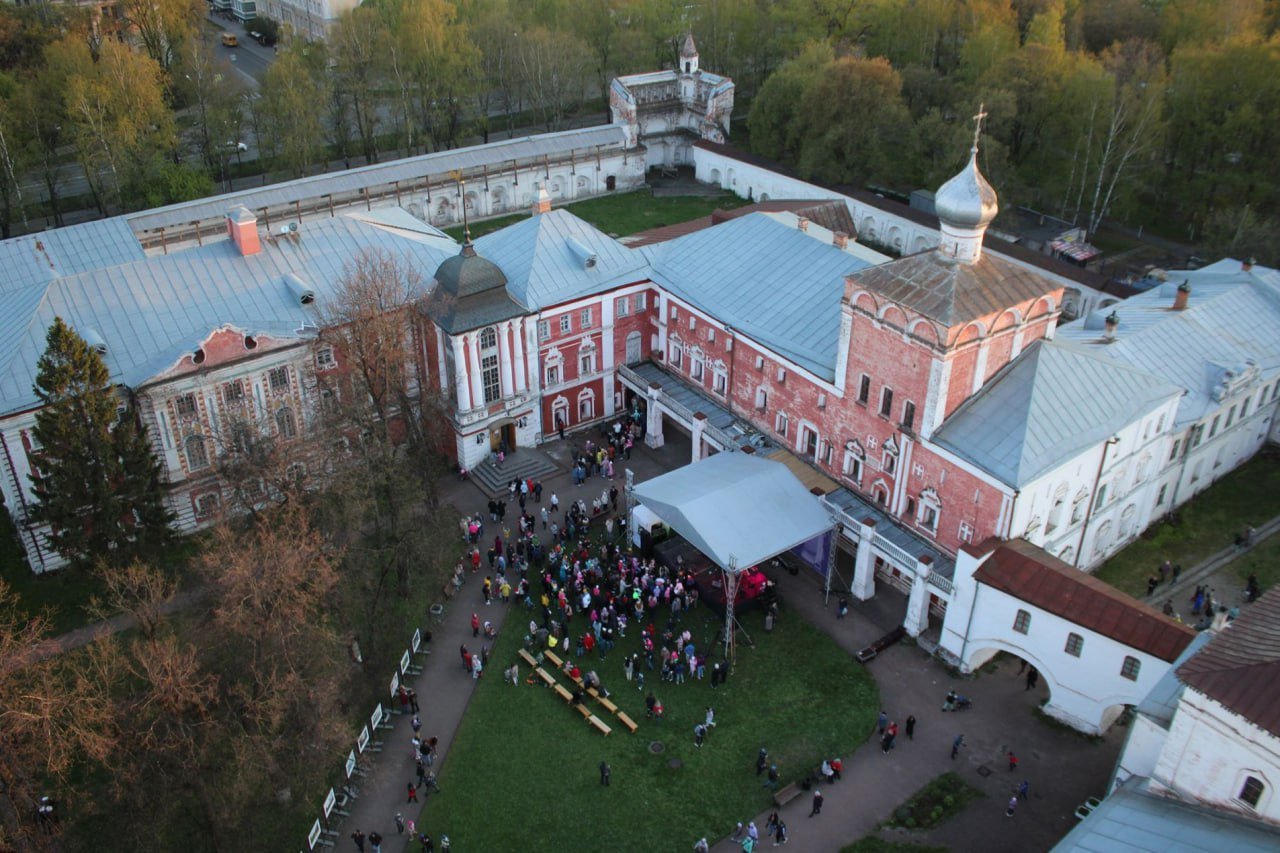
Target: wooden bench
785,795
584,711
546,677
607,704
449,591
627,721
554,658
528,658
598,724
562,693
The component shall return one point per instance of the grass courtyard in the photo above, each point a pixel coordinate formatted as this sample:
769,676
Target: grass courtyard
523,773
1207,524
623,214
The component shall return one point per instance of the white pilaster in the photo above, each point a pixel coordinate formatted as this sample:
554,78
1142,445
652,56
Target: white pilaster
864,564
461,381
917,618
696,429
504,360
979,368
653,423
519,341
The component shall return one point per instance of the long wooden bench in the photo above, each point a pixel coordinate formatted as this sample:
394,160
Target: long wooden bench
546,677
554,658
607,704
785,795
627,721
598,724
584,711
563,693
528,658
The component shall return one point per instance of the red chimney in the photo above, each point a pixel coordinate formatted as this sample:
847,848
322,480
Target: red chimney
242,226
1247,265
1181,296
840,240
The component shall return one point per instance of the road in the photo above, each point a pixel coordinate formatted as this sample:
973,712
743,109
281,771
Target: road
250,60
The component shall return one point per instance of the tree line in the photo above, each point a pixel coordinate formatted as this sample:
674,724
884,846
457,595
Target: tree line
208,727
1157,112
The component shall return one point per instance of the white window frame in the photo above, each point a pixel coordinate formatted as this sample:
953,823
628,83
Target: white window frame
566,324
886,401
762,398
544,330
278,373
965,532
586,405
780,423
326,359
641,302
854,456
622,306
720,381
585,320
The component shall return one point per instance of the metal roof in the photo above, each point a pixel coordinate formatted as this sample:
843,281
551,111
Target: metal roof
1161,702
1232,317
152,311
405,170
1052,402
1240,668
859,508
1133,820
763,276
1030,574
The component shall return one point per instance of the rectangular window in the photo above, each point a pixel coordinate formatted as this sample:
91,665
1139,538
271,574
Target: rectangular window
233,392
864,389
197,452
908,415
585,318
544,330
489,376
566,324
1101,498
853,467
207,506
1197,433
822,401
1213,427
693,323
886,402
325,359
1252,790
720,382
1173,454
1160,497
782,375
586,364
553,375
826,453
677,354
1075,644
185,405
759,362
1244,407
695,369
889,463
762,399
1132,666
622,306
711,334
781,424
1231,416
278,378
641,301
929,517
1022,622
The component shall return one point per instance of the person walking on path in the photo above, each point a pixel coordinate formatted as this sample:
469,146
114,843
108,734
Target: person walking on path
358,838
882,722
475,624
1033,678
701,846
772,781
1023,789
817,802
955,746
413,793
1013,761
780,834
889,735
1013,804
399,823
911,727
375,841
605,773
699,732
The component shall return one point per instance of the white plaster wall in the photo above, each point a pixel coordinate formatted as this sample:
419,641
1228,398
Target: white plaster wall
1085,691
1209,753
1141,749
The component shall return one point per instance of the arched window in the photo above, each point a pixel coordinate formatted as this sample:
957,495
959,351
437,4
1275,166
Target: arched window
197,452
286,423
1078,506
1252,790
677,351
586,405
1056,510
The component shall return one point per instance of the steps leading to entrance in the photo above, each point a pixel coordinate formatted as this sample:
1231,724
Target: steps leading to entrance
525,463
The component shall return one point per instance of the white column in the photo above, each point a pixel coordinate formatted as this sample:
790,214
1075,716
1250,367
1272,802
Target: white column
518,343
504,360
653,423
460,379
864,565
979,368
697,428
473,362
917,618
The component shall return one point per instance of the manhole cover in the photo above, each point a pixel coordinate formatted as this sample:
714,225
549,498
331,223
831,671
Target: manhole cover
675,763
984,770
657,747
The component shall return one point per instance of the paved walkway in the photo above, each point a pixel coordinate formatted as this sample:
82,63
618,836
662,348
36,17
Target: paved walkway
1215,573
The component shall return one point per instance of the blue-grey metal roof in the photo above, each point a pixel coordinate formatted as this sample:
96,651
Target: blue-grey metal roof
1162,701
860,509
1232,317
151,311
405,170
1052,402
1133,820
763,276
544,267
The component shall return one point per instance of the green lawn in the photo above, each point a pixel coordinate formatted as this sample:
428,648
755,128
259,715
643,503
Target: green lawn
1209,523
624,214
523,773
1263,560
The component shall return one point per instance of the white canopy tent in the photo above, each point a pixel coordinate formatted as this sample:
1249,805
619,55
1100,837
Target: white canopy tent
739,510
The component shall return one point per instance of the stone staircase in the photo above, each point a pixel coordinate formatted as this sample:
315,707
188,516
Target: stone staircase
525,463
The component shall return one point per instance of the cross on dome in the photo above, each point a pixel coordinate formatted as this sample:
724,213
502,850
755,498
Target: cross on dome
977,125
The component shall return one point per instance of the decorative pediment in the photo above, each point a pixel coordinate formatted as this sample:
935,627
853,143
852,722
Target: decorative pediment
891,446
852,446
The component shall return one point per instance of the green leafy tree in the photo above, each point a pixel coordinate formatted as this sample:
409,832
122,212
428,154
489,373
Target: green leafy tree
97,480
775,121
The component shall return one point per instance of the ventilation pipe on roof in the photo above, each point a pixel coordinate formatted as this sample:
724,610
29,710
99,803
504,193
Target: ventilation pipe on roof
1181,296
95,340
541,201
1109,327
802,222
1247,264
298,289
585,256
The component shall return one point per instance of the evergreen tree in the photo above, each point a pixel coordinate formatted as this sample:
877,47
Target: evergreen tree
96,480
